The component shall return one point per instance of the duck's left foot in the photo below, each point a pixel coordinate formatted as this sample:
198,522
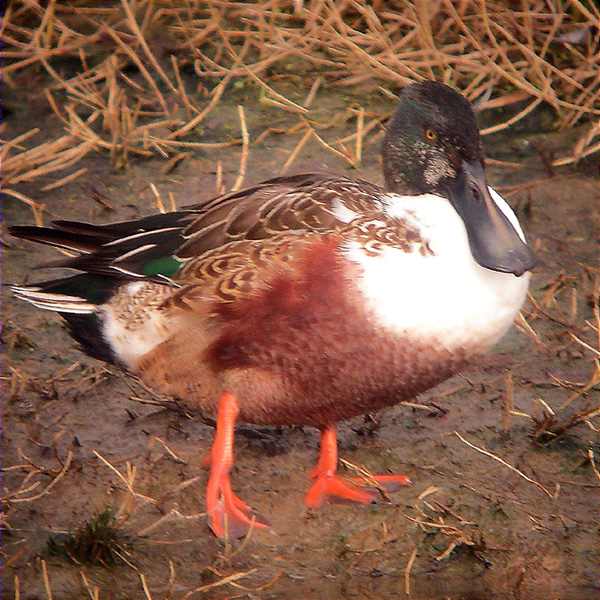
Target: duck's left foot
329,486
228,515
333,487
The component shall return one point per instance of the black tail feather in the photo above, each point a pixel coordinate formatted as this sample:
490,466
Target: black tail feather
85,328
117,250
80,243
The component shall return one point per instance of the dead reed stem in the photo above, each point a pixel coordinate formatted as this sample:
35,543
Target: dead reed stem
245,146
408,569
297,149
47,587
482,48
226,580
503,462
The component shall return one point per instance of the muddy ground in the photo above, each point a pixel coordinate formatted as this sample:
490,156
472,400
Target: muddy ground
468,528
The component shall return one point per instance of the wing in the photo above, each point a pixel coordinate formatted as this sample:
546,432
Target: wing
300,203
243,268
174,247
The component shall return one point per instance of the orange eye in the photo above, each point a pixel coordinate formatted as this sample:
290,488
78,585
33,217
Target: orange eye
431,135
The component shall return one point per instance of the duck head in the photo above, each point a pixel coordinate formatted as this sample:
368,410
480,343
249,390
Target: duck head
432,146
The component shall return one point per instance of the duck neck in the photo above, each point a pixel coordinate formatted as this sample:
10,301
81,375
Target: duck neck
397,184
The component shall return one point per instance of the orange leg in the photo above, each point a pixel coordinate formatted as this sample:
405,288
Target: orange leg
227,514
330,485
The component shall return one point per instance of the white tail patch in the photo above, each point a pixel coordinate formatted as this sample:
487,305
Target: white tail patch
56,302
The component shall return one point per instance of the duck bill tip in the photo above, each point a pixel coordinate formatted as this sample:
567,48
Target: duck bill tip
494,241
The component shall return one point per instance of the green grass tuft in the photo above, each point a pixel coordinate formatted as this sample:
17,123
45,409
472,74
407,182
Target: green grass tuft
100,541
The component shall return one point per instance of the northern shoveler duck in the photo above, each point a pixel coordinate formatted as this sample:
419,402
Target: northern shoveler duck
305,299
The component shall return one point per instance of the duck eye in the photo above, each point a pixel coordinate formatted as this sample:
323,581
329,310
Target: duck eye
431,135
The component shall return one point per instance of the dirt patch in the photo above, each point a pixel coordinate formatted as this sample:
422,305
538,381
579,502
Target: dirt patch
80,437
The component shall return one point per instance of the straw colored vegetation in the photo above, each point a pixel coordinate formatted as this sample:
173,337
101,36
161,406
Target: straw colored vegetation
138,78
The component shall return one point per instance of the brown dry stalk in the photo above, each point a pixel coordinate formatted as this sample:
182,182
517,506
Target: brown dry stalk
140,65
65,180
17,583
216,96
145,586
291,106
127,481
190,108
49,487
48,53
312,93
61,161
15,142
297,149
512,120
503,462
46,578
360,132
408,569
39,154
226,580
133,25
203,145
93,592
36,208
591,457
245,146
584,344
568,160
507,402
496,55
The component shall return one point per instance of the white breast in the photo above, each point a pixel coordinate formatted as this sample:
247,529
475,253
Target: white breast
446,297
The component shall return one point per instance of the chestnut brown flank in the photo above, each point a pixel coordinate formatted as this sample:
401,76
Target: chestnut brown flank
287,306
316,351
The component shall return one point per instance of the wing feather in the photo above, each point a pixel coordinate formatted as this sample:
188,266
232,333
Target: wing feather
302,204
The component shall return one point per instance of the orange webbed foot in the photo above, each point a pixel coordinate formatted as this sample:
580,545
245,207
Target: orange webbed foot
329,486
334,488
228,515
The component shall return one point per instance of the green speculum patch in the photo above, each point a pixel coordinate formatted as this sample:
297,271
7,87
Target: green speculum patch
166,266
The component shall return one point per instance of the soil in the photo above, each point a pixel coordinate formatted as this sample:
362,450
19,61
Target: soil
470,527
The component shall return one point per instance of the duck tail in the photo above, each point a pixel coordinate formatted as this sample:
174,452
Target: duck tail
77,299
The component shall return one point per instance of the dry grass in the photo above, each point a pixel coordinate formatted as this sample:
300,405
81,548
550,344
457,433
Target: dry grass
140,79
134,79
579,338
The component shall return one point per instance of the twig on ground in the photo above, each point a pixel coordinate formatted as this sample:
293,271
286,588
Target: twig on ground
503,462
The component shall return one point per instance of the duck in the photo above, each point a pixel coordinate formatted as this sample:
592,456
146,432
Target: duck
305,299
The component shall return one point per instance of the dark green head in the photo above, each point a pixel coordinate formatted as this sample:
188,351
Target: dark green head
432,146
429,136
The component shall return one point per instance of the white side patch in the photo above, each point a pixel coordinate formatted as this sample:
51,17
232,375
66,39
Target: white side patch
133,326
445,297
